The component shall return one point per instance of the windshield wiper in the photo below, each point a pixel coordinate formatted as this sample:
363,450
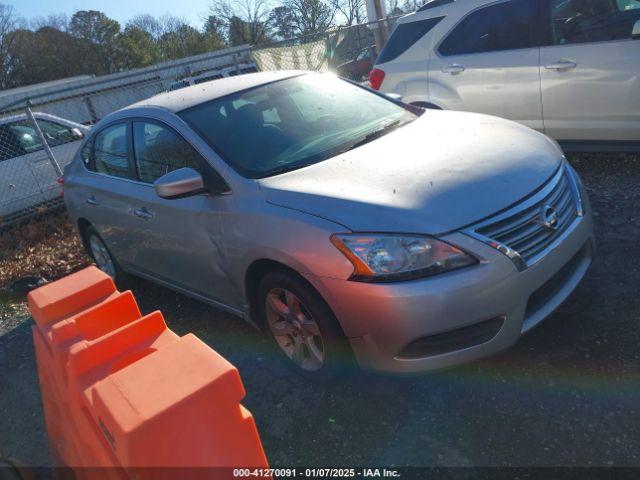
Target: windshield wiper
314,158
285,169
376,134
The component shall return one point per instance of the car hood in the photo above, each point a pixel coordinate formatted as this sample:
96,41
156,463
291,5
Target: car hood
439,173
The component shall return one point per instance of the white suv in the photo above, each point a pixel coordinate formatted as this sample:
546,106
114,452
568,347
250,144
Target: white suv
568,68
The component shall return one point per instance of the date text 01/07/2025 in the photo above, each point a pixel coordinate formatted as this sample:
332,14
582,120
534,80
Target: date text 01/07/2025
316,473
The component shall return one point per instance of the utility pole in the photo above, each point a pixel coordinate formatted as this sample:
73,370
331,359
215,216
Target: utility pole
376,12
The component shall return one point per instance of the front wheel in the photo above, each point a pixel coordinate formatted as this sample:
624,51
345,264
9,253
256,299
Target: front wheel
302,326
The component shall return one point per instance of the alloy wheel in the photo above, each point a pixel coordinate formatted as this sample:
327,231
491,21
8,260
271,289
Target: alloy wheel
101,256
294,329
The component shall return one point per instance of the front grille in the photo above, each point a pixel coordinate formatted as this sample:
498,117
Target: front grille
521,229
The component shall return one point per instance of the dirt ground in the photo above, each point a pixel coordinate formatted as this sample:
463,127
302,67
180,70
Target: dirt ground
567,394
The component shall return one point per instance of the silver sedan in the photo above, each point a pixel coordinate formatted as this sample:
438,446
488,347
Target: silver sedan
347,225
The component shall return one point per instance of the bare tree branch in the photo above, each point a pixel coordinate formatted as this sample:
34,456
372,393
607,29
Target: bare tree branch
246,20
353,11
312,16
8,23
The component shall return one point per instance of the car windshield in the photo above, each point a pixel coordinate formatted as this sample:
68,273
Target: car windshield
292,123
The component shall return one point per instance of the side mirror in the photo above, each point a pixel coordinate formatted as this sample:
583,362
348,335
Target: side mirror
396,97
77,134
635,33
183,182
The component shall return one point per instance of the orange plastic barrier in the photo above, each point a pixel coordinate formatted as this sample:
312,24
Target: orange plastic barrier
122,391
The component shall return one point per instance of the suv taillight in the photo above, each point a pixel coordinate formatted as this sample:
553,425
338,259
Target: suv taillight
376,77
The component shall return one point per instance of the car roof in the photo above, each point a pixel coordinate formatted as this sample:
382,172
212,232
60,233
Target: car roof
440,8
183,98
44,116
433,4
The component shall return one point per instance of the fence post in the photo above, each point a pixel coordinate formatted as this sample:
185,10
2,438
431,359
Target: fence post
45,145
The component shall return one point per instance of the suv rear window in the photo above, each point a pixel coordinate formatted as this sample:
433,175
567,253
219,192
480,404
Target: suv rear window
404,36
505,26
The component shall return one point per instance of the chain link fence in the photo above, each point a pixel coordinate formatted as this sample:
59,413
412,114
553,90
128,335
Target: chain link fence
40,130
348,51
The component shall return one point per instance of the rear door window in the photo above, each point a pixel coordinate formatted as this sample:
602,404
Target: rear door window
404,36
111,155
505,26
585,21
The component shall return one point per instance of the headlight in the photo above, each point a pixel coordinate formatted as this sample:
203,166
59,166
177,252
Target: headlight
387,257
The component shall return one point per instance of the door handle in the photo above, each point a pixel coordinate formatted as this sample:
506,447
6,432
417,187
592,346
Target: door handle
562,65
453,69
92,201
143,213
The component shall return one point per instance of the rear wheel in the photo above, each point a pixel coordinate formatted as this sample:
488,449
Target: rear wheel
101,255
302,326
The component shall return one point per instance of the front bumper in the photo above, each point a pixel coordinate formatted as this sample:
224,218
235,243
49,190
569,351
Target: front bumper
380,320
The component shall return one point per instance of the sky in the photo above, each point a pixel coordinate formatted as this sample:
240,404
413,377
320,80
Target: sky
121,10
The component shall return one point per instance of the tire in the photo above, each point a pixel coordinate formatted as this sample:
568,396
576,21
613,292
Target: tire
319,351
104,260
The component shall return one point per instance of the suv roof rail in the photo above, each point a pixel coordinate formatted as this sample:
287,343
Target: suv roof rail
434,4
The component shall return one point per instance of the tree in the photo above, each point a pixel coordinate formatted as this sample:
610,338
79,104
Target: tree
100,32
59,21
311,16
353,11
182,42
8,21
282,20
246,21
412,5
136,48
394,8
213,30
46,54
147,23
215,25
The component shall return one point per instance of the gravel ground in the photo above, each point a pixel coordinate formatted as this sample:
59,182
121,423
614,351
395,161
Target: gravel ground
567,394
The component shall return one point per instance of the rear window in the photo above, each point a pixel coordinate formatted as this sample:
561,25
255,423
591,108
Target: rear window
404,36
